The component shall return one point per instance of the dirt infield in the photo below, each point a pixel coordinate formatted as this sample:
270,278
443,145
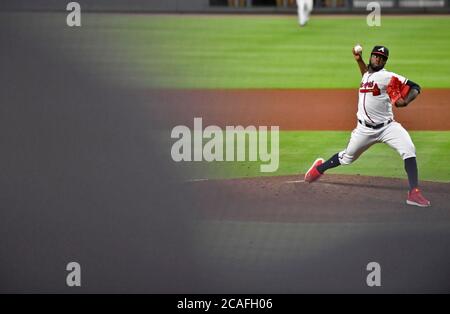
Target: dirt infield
315,109
278,235
334,198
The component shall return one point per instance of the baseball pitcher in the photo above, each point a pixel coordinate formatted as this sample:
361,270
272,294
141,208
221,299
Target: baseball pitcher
378,91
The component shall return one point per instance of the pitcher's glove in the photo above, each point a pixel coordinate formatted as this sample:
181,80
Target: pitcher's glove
397,90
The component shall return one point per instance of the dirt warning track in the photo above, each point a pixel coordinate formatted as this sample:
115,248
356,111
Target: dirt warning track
305,109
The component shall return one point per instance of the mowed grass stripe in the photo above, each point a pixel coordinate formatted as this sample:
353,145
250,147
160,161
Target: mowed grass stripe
298,149
273,52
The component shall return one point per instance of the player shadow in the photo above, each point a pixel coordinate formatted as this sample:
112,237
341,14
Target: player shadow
365,185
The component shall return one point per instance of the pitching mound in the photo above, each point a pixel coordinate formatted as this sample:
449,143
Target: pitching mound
334,198
279,235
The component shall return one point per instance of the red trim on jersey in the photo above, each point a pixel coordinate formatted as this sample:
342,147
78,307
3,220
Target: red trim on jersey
364,101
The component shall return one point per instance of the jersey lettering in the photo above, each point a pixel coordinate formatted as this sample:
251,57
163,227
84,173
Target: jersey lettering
370,87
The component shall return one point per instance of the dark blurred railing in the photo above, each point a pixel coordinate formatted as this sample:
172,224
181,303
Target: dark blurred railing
229,6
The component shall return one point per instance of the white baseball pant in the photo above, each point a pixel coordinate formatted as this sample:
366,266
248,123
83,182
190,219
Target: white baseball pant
363,137
304,8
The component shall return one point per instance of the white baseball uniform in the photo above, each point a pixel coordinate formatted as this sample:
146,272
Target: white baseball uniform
304,8
374,108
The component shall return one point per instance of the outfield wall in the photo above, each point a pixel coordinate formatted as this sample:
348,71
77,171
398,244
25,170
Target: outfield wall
228,6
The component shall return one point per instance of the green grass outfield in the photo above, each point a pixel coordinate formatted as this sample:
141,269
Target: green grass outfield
298,149
209,51
273,52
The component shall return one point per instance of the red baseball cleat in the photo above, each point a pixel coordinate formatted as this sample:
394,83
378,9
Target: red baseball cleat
313,174
416,198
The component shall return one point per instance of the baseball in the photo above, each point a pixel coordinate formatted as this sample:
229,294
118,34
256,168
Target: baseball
357,49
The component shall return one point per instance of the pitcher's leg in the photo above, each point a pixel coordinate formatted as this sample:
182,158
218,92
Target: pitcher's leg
360,140
333,162
398,138
412,172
